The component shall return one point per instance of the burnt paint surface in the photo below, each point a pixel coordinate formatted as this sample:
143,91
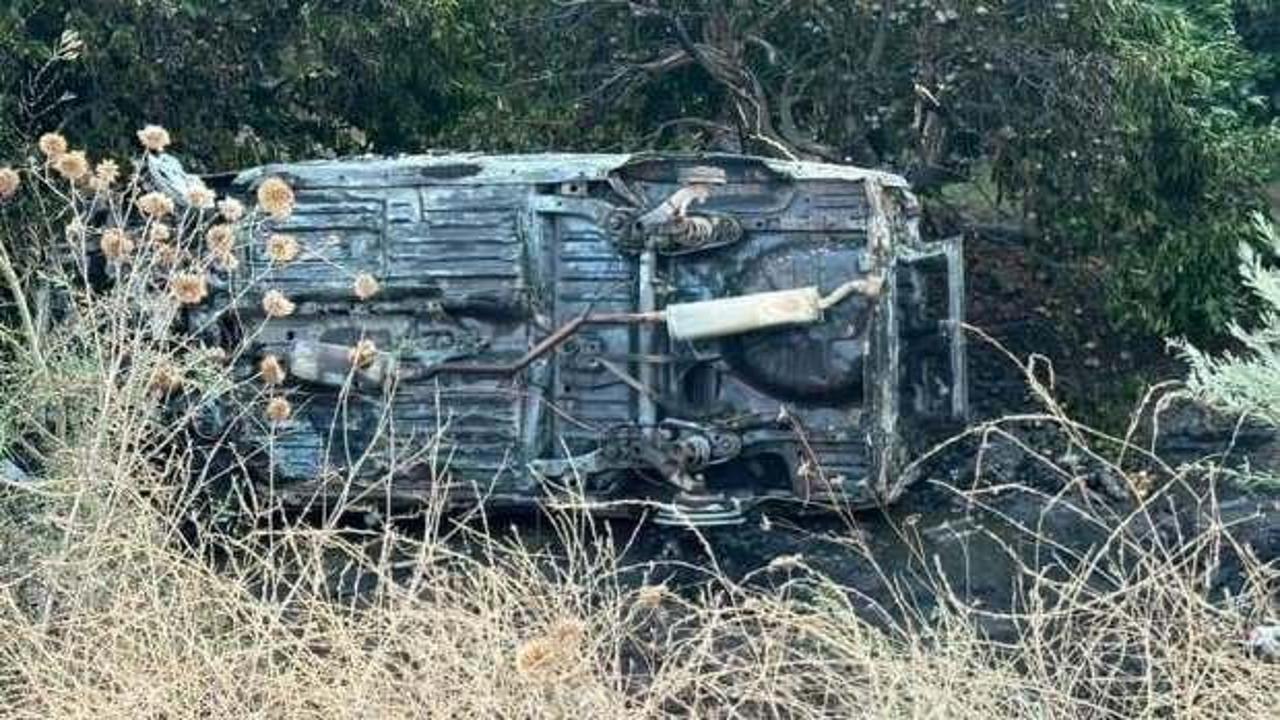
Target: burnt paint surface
479,258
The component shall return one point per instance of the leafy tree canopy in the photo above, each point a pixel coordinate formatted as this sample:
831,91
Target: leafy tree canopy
1138,130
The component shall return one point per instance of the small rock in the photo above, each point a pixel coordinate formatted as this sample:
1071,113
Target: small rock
1092,362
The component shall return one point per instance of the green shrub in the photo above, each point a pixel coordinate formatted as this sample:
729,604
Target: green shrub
1133,130
1247,380
250,81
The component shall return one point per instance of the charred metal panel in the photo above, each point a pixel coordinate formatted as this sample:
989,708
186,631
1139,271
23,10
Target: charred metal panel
698,334
931,302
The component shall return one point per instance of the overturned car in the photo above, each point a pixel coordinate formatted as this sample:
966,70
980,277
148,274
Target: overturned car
683,336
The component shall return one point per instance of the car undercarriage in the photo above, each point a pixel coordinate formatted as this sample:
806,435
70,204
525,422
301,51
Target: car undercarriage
683,336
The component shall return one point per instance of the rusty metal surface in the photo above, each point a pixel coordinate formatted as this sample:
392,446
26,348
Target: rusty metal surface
523,339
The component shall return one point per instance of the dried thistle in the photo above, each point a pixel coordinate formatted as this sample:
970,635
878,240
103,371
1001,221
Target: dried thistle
154,138
535,656
166,378
106,172
115,244
276,305
9,183
275,197
201,197
1142,483
167,255
159,232
651,596
279,409
155,205
363,354
232,209
189,288
225,260
282,248
271,370
366,286
220,238
552,653
72,165
52,144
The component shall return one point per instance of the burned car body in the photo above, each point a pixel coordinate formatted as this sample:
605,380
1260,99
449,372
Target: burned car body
693,335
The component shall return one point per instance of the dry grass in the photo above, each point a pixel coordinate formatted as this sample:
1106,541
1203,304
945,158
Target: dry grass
106,612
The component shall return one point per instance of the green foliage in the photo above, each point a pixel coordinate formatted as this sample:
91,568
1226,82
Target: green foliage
1259,24
1138,130
245,81
1191,148
1135,130
1247,381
